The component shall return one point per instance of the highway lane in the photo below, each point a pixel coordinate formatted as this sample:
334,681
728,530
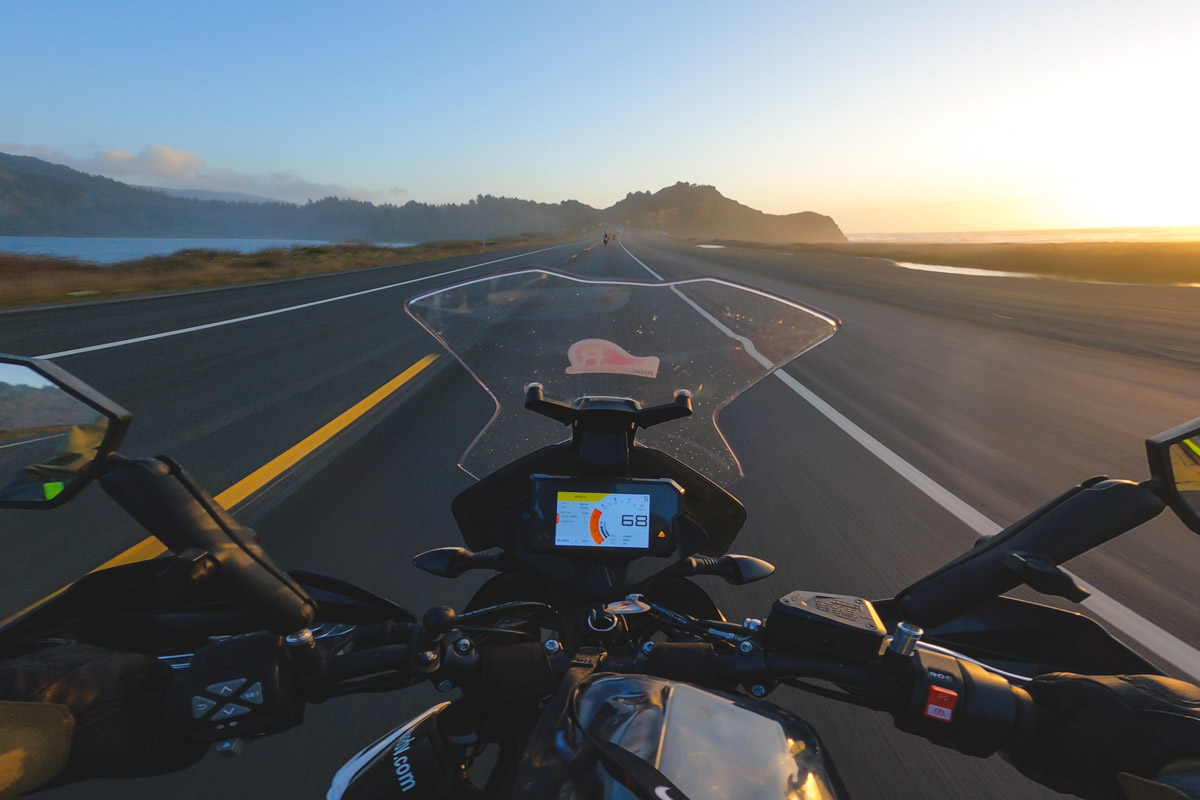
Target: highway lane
386,526
829,513
222,400
376,529
1003,418
53,329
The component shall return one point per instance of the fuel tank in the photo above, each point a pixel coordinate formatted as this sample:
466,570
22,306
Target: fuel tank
711,745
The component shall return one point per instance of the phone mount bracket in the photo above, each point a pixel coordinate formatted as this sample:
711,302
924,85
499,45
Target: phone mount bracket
603,428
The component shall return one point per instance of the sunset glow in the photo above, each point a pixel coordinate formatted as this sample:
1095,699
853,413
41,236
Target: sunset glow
925,117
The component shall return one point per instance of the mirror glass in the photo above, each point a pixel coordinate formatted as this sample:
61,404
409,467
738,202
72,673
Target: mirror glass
1185,469
47,437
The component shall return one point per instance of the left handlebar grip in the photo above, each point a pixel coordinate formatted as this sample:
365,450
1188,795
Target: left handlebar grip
237,687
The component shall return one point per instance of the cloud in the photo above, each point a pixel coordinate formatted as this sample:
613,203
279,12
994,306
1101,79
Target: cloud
51,154
156,161
168,168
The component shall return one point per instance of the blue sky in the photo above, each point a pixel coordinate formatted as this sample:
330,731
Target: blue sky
889,116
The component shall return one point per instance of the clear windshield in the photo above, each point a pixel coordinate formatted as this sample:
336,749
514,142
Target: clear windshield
580,337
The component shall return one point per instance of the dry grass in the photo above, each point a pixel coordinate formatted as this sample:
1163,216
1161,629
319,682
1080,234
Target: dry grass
42,279
1121,262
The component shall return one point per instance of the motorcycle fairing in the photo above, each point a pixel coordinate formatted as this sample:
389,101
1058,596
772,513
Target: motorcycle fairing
408,762
493,513
486,508
710,336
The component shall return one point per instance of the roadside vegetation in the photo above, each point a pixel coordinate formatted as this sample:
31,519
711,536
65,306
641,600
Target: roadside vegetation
1118,262
26,280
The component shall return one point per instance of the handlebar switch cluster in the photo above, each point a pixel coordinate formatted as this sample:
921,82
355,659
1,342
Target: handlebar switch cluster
236,687
960,705
833,625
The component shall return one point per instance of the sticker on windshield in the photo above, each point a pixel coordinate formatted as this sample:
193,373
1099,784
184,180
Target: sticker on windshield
601,355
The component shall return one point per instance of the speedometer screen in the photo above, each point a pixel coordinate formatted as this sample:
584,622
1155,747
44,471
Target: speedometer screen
602,519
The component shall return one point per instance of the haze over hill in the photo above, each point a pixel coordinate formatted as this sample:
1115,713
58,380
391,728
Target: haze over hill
205,194
38,198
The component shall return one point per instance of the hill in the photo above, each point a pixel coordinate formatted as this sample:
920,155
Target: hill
693,211
42,199
28,407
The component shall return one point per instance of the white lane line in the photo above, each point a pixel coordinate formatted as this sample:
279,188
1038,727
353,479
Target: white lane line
931,488
31,441
1162,643
260,315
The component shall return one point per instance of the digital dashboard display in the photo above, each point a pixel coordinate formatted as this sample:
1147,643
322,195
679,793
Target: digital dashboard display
602,519
605,519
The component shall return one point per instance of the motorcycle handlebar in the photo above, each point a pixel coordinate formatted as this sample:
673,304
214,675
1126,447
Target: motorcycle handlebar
391,658
951,701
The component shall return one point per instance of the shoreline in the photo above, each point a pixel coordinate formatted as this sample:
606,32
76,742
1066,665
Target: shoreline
27,280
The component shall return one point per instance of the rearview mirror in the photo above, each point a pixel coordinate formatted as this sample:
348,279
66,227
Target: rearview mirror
1175,463
55,433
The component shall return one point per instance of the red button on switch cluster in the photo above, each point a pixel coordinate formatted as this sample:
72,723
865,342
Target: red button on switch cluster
940,703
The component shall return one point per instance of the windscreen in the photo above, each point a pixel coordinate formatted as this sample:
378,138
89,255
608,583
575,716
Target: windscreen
580,337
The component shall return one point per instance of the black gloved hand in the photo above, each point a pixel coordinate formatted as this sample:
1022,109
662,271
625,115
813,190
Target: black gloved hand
1094,727
116,700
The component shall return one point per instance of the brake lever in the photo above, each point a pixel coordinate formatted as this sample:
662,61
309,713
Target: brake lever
682,623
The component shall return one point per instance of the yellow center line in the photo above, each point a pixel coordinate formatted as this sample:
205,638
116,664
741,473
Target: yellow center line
150,547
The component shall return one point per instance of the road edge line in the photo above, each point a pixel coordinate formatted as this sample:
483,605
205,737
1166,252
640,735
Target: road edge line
298,307
1157,640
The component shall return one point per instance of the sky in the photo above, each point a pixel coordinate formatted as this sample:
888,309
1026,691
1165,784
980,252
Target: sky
890,117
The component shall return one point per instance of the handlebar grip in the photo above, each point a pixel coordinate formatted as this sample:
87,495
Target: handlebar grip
238,686
960,705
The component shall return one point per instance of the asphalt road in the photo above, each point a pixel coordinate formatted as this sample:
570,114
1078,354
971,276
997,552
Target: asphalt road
1004,391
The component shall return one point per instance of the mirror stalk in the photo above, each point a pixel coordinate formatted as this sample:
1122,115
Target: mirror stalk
1030,551
209,544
